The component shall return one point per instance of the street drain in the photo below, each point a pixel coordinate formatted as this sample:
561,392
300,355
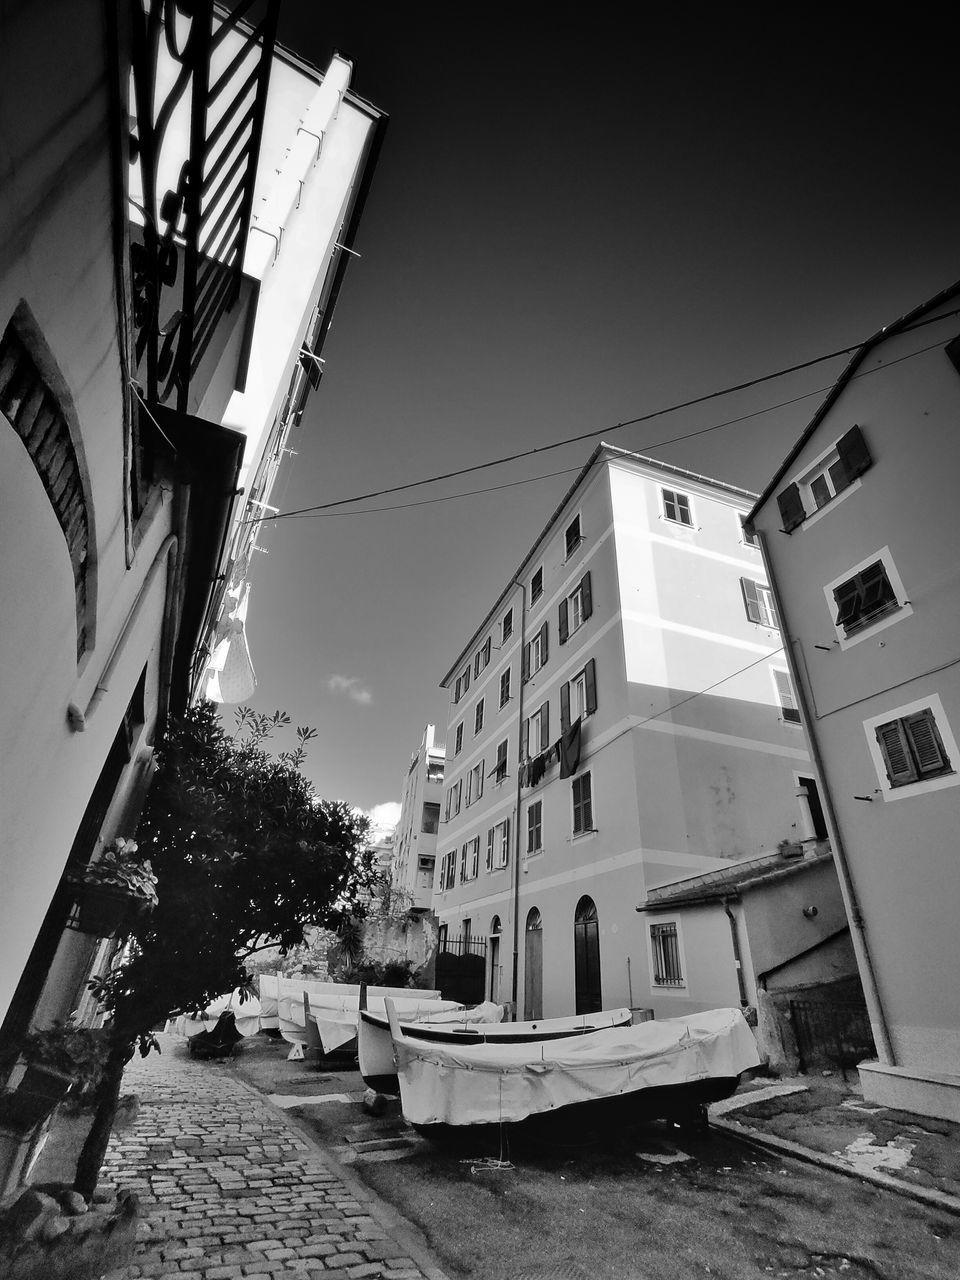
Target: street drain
566,1270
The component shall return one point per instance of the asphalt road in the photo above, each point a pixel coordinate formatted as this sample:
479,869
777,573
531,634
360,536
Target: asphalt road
644,1202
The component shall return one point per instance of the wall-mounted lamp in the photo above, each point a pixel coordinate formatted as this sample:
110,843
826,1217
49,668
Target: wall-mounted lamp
810,912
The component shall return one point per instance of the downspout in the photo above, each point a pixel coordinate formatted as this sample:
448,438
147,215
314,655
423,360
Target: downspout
516,839
737,956
868,975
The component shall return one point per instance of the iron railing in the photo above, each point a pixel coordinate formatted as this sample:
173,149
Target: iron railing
838,1033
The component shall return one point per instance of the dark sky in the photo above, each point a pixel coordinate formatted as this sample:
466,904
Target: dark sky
576,219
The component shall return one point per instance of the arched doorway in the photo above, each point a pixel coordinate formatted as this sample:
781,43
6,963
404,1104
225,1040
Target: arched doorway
533,967
493,985
586,954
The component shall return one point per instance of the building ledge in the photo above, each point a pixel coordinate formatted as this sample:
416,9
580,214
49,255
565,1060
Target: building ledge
905,1089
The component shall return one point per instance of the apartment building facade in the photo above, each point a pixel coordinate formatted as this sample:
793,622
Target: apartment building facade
862,554
622,718
415,847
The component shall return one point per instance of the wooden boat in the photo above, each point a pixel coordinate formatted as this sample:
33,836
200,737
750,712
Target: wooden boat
294,1021
471,1026
655,1069
336,1028
245,1007
269,992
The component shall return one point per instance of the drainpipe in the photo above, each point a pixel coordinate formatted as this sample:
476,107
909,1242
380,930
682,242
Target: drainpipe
516,839
868,975
737,957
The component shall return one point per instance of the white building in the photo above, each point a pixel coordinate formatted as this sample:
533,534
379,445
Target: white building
863,554
633,663
415,850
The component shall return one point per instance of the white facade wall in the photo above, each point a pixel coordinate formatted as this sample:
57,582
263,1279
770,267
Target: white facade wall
415,847
689,790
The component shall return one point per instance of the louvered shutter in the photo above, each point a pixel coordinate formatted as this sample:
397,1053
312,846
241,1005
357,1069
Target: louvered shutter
564,621
525,740
788,701
545,724
590,680
463,863
487,649
877,591
466,678
564,708
896,752
791,507
490,849
543,645
928,749
854,453
847,596
586,596
525,664
479,781
750,599
506,841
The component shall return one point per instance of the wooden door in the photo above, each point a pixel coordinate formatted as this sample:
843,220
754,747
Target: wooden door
533,967
586,953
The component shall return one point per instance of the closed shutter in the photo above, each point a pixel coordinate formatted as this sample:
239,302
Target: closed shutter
543,645
791,507
590,680
545,724
750,599
896,752
564,621
564,708
586,596
854,453
928,749
525,663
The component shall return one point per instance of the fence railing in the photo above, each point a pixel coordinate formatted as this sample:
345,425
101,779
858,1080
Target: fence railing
838,1033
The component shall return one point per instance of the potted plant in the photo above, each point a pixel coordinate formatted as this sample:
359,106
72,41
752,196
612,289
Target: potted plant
114,890
56,1060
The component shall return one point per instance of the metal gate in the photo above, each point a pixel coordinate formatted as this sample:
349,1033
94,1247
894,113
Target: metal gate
836,1033
461,969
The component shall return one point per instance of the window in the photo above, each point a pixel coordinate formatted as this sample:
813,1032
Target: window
500,768
458,739
448,870
506,626
505,687
478,717
534,828
748,534
758,602
482,657
788,699
833,473
536,732
498,846
676,507
576,608
536,586
665,944
453,799
578,697
430,819
463,683
912,748
535,653
573,537
475,783
864,598
470,859
582,805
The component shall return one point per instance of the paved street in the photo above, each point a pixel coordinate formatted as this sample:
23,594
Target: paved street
230,1189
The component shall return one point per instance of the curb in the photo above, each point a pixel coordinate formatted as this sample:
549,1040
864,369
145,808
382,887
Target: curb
929,1196
401,1229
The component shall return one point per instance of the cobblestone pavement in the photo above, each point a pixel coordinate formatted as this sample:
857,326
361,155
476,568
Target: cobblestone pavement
230,1188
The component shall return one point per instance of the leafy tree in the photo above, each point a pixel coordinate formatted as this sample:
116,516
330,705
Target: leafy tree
245,856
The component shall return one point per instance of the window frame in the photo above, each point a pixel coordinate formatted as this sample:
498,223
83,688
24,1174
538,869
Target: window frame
924,781
889,618
673,500
585,776
481,659
764,603
797,501
505,681
657,929
570,544
536,585
534,824
474,784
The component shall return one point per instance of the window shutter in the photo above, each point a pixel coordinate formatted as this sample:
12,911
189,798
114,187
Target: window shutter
479,781
543,645
487,648
564,621
927,747
847,596
791,507
466,678
854,453
525,740
564,707
545,723
506,841
788,701
896,752
590,679
490,849
750,599
525,664
586,596
877,591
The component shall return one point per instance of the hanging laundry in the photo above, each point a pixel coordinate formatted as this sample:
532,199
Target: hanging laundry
569,749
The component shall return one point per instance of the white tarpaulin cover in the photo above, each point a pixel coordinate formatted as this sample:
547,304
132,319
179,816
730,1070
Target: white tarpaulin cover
338,1027
489,1083
246,1013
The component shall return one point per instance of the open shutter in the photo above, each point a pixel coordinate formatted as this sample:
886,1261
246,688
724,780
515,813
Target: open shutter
543,645
564,707
750,599
525,663
564,620
847,596
545,723
506,841
791,507
877,591
854,453
927,746
490,849
586,596
788,701
590,680
479,782
896,752
525,740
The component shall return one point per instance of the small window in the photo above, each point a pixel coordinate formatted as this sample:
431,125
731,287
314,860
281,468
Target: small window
748,534
475,783
498,846
575,609
578,697
912,748
458,739
833,473
788,698
535,653
478,717
506,626
535,828
573,537
864,598
582,805
430,818
665,944
676,507
505,687
482,657
536,586
500,768
758,602
463,683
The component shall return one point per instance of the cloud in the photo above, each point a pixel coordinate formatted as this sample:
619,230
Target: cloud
352,687
383,817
